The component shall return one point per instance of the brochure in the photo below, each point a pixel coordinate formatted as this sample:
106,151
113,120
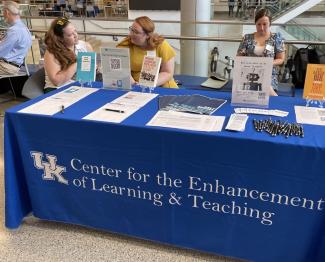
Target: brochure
86,67
150,71
314,87
116,68
252,81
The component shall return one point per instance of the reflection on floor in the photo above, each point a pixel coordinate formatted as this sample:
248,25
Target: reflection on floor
38,240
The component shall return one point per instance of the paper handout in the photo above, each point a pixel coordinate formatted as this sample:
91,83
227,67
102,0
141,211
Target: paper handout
310,115
121,108
187,121
59,101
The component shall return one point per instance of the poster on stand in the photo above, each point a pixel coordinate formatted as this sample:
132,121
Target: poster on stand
314,87
252,81
116,68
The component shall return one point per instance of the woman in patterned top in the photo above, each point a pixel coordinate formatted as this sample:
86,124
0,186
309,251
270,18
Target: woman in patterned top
264,43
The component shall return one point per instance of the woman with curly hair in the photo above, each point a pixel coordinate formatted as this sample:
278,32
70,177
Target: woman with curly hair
60,58
142,41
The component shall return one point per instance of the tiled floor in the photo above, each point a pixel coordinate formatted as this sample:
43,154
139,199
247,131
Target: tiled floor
44,241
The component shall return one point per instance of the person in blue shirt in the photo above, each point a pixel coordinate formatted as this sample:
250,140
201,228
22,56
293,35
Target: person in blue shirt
16,42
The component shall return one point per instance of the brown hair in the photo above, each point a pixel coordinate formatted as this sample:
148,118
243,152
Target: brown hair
261,13
55,43
149,27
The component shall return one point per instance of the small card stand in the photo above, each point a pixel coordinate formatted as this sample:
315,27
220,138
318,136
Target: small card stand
86,83
310,102
143,88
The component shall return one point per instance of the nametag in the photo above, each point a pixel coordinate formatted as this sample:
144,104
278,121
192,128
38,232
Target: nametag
151,53
269,48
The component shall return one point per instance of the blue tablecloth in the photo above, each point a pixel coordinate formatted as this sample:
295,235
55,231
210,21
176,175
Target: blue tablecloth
245,195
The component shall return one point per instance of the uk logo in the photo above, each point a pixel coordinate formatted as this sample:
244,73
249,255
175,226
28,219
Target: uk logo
52,171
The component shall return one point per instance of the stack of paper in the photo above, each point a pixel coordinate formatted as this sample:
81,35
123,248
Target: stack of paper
59,101
237,122
121,108
310,115
257,111
187,121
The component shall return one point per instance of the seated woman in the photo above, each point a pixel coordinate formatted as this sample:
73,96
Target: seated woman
263,43
62,46
142,41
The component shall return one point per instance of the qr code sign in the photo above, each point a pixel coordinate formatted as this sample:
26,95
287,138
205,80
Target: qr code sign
115,64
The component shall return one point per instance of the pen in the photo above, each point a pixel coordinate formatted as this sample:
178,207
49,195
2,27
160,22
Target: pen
114,110
62,109
192,112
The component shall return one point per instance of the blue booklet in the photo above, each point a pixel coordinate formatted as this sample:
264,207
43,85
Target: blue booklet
86,67
195,104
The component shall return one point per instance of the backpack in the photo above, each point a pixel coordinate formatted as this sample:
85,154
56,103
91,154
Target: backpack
302,58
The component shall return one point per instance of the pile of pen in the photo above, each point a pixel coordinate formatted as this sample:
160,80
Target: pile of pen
277,127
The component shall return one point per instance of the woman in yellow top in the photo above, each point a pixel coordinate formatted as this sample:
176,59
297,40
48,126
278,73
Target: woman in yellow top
143,41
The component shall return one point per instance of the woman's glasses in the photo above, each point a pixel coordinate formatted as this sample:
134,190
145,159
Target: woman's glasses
133,31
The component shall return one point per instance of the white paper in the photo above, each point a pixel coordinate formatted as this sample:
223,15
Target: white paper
86,63
59,101
252,80
136,99
121,108
237,122
258,111
187,121
114,113
310,115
